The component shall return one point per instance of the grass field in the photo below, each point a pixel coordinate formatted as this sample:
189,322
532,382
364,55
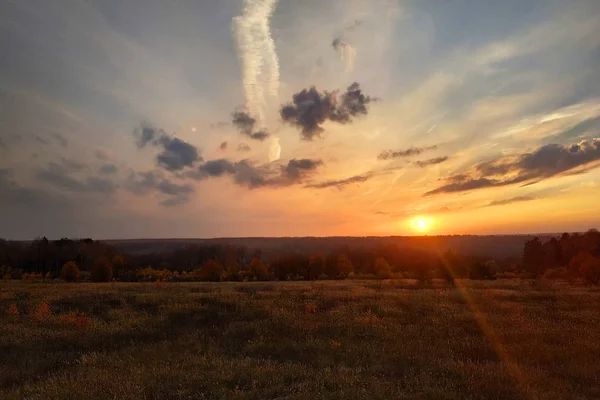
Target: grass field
300,340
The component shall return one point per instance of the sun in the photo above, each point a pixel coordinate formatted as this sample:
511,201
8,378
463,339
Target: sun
422,224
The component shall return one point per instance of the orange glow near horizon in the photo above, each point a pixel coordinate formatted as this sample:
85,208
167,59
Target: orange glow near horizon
422,224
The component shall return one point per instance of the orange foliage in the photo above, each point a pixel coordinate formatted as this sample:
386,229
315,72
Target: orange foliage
333,344
42,312
79,320
13,309
310,308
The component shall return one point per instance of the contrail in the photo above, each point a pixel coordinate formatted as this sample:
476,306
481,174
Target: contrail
260,64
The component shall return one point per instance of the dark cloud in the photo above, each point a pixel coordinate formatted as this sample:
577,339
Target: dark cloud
143,183
59,176
547,161
217,168
338,44
60,139
247,174
173,189
413,151
247,124
146,133
341,182
517,199
72,165
108,169
296,168
244,147
223,146
431,161
3,144
41,140
176,154
310,108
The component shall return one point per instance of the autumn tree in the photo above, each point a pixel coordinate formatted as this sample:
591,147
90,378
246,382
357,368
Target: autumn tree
211,271
102,270
69,272
382,268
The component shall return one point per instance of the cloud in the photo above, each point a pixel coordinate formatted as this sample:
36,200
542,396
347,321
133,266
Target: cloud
245,173
223,146
310,108
72,165
59,176
41,140
101,155
341,182
146,133
295,168
217,168
346,52
243,147
60,139
3,144
175,201
413,151
246,124
108,169
173,189
143,183
176,154
547,161
431,161
517,199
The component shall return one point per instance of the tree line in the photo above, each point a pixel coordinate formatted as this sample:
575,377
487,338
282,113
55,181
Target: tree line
572,256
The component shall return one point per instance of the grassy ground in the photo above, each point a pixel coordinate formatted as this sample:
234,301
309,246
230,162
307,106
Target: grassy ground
347,340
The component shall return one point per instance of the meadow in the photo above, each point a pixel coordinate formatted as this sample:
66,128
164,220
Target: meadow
503,339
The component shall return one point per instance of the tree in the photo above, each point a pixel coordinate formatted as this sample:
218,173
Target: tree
211,271
316,266
258,270
534,256
586,266
69,272
344,265
590,270
382,268
102,271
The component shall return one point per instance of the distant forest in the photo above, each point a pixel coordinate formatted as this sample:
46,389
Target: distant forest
568,256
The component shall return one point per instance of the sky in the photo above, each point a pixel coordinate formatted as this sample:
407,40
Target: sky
219,118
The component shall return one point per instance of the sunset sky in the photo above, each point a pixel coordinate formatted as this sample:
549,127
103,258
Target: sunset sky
141,119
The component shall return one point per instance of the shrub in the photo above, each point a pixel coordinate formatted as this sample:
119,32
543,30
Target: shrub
69,272
102,271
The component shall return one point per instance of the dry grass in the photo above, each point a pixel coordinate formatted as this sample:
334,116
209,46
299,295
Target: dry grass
350,340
